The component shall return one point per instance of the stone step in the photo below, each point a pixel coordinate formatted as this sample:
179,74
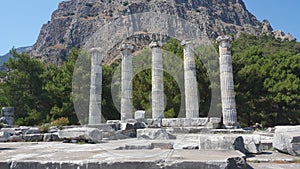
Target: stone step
92,156
245,143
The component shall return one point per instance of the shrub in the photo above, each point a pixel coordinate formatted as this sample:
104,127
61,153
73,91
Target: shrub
63,121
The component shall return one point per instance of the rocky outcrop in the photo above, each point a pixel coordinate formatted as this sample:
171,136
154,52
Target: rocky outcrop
75,21
281,35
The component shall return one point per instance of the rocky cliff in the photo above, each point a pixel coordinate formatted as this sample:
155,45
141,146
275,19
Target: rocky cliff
76,20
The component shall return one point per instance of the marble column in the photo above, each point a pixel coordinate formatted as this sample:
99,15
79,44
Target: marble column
95,88
126,82
157,82
227,86
190,81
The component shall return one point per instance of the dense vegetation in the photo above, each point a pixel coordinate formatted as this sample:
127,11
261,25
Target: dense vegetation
266,76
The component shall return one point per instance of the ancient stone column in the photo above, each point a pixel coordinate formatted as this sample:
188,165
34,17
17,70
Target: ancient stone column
226,79
95,88
126,82
190,81
157,82
7,116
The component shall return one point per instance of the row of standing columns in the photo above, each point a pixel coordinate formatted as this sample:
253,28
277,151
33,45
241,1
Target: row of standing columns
190,83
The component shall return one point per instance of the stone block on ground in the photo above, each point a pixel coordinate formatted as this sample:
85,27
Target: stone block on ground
154,123
47,137
51,137
185,130
33,137
140,115
115,124
117,135
53,129
287,139
82,133
214,123
221,142
55,137
4,136
154,134
103,127
16,138
252,143
32,130
183,122
12,131
186,146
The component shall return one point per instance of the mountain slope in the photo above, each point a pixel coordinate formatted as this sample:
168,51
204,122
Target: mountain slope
5,57
75,21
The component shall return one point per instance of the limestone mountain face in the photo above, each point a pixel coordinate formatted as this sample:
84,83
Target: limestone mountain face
75,21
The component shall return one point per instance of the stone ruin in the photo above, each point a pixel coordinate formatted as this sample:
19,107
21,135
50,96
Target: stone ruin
190,85
220,141
7,116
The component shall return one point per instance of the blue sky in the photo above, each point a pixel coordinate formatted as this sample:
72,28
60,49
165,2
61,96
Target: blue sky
21,20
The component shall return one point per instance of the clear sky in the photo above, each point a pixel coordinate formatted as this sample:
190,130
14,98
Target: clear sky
21,20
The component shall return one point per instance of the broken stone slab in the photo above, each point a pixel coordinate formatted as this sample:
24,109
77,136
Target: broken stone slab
4,135
154,134
91,156
184,122
81,133
186,146
33,137
16,138
163,146
221,142
287,139
32,130
103,127
230,131
117,135
147,146
53,129
47,137
184,130
214,123
252,143
115,124
126,126
51,137
154,123
12,131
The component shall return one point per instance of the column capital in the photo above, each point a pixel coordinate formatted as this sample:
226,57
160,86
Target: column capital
224,41
155,44
127,46
186,42
95,50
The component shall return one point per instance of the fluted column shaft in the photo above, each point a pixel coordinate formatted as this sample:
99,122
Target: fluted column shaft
95,88
190,81
227,85
157,82
126,82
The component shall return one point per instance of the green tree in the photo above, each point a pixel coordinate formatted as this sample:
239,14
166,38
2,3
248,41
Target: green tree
266,72
23,89
58,84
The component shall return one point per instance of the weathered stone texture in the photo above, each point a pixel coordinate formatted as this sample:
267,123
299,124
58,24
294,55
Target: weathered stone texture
95,114
287,139
126,82
227,85
154,134
83,133
157,82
